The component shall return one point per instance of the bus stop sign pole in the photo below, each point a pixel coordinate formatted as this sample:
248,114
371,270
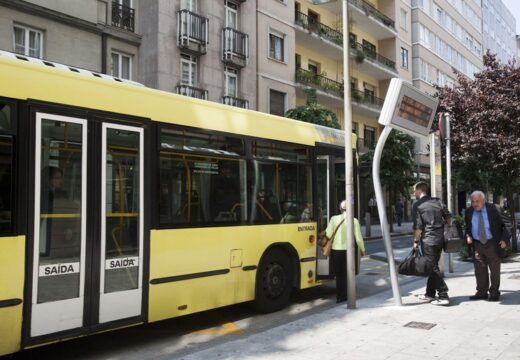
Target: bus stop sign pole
410,110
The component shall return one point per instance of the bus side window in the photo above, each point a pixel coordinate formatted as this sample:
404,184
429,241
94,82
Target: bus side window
6,172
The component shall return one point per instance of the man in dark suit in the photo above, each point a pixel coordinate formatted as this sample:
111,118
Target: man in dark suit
488,230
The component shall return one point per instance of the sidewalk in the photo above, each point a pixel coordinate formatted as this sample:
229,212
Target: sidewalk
376,233
376,329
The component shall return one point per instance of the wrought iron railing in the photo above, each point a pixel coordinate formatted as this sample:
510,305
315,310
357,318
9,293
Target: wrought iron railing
319,81
192,28
192,91
318,28
366,52
123,16
367,99
370,10
235,44
234,101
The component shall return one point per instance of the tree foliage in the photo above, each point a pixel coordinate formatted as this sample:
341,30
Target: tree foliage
485,113
485,129
313,112
397,162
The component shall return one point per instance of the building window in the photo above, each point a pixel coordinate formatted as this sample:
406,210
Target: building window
298,61
276,46
277,102
313,67
370,137
404,58
121,66
27,41
190,5
231,81
404,20
231,14
188,70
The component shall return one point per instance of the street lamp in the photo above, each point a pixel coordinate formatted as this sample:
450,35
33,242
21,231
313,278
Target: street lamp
349,178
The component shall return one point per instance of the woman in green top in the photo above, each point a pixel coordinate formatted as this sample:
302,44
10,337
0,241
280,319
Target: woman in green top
339,247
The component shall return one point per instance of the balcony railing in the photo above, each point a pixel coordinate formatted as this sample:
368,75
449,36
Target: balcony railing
362,98
192,91
192,32
370,10
123,16
318,28
319,81
235,46
366,52
365,144
234,101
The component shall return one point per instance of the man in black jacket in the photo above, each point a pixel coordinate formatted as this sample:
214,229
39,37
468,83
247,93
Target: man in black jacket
488,230
428,225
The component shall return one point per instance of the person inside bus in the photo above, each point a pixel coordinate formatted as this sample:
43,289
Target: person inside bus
306,214
267,208
337,227
290,213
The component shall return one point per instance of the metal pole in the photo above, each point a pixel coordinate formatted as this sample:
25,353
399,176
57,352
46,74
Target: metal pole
349,178
448,180
433,186
382,212
418,166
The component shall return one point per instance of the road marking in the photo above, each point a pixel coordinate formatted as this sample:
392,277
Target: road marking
224,329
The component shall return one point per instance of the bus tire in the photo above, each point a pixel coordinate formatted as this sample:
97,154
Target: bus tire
274,280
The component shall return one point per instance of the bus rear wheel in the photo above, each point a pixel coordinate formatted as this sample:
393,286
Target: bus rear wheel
273,281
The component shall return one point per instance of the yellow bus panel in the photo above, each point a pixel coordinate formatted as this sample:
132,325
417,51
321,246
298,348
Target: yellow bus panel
198,269
12,260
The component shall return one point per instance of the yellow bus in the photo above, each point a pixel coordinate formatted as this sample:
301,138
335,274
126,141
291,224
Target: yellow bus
122,205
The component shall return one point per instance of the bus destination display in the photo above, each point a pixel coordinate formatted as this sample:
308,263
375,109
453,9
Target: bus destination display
415,111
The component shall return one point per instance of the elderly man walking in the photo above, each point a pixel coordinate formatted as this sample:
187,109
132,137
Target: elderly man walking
488,230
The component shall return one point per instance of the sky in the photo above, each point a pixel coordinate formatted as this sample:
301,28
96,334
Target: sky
514,7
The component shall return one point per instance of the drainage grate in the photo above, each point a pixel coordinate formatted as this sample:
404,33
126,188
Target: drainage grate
420,325
515,276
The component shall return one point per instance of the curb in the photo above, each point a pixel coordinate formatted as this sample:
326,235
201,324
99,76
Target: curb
391,236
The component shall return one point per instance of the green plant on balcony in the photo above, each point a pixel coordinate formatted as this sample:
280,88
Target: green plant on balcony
360,56
357,96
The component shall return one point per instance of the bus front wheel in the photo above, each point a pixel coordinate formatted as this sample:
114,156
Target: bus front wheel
273,281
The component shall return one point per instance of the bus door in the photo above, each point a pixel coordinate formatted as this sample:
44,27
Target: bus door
88,224
330,182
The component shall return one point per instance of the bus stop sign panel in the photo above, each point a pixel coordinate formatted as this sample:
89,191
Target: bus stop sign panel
408,109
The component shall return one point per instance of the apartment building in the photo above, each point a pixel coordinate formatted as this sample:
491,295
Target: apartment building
379,47
98,35
202,49
499,30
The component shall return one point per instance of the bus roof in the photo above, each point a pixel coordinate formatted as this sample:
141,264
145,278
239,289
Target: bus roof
28,78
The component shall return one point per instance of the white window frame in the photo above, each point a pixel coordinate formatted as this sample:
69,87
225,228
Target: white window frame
404,19
192,63
404,59
27,31
190,5
120,56
283,38
231,8
230,73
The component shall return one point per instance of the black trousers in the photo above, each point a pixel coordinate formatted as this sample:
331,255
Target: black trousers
435,283
339,264
485,256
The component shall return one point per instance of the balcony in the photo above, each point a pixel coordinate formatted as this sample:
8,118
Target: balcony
319,82
123,17
371,62
192,32
365,145
330,93
192,91
234,101
371,20
235,47
317,28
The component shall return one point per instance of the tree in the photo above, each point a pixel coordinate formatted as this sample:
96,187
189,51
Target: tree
484,118
397,165
313,112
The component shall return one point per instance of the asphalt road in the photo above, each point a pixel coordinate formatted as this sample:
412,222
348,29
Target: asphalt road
180,336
